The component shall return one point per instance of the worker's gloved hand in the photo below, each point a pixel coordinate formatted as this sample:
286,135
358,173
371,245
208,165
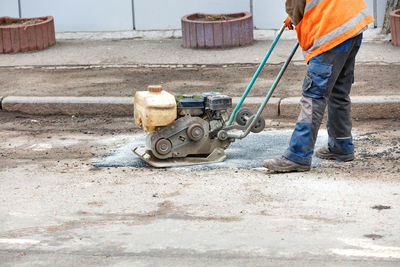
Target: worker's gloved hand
288,23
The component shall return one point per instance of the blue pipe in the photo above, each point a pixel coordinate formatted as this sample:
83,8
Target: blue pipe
275,84
241,135
253,80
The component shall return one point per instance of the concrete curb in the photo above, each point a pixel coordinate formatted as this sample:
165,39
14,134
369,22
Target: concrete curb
117,106
271,111
69,105
363,107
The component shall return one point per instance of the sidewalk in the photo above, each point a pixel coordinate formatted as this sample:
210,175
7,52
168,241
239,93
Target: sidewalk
376,90
168,52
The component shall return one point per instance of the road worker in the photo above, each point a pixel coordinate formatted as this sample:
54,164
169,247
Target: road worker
330,35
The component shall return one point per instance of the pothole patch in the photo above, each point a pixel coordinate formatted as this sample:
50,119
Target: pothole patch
248,153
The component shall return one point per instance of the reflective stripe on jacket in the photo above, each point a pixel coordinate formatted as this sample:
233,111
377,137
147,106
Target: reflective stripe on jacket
328,23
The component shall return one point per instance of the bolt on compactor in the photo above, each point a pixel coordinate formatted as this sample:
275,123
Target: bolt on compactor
196,129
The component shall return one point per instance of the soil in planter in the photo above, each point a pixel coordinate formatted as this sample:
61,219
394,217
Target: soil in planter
16,23
214,18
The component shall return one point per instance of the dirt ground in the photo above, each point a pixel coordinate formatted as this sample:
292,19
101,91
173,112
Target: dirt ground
370,80
378,144
56,208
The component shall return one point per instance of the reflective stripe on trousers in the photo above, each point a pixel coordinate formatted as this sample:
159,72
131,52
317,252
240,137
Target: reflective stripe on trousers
327,83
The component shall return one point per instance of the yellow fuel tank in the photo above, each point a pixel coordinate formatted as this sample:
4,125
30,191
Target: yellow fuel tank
154,108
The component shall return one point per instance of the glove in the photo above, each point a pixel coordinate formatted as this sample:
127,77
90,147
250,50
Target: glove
288,23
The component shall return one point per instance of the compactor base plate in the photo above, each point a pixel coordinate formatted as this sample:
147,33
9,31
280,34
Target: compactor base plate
218,155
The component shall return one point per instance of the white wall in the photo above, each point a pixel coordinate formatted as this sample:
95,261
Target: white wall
9,8
82,15
167,14
381,7
269,14
116,15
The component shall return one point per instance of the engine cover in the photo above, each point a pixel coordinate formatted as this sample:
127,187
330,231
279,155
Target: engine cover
216,101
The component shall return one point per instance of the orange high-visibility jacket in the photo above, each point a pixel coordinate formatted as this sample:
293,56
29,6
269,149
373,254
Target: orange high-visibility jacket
328,23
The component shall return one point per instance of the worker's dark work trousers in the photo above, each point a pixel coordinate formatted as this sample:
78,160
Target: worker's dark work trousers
327,83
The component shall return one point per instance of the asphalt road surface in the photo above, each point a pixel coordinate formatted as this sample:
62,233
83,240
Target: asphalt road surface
58,208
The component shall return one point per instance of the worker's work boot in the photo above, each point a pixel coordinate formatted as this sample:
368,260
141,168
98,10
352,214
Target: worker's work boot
326,153
285,165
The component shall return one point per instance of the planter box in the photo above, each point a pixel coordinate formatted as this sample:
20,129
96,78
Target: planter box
395,26
227,30
30,34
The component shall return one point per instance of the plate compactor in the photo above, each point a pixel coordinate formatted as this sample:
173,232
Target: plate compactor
190,130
